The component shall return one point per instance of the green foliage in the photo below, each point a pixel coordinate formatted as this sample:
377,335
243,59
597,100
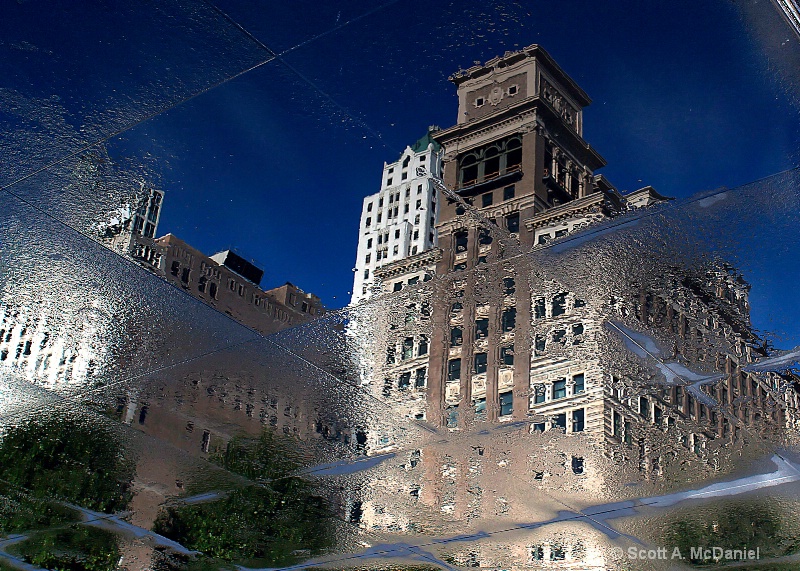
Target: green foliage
257,522
21,512
76,548
266,458
733,525
262,524
67,460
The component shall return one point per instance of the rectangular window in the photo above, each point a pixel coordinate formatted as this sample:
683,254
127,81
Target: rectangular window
509,319
506,403
454,369
380,202
560,421
559,304
176,266
577,420
456,337
539,394
578,387
616,424
185,275
419,189
366,274
480,407
419,204
368,258
405,381
481,328
512,223
408,348
452,416
539,308
508,192
369,243
419,382
397,234
405,209
560,389
507,355
480,363
486,199
369,207
423,346
396,250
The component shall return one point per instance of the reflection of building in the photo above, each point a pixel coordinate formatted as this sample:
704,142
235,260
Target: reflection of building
229,283
538,365
399,221
129,224
517,155
67,342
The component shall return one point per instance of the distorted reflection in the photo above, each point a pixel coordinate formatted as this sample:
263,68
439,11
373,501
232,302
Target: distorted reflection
536,369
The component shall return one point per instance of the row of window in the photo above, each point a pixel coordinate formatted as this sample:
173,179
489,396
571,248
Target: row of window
404,172
407,350
210,287
508,321
481,362
559,421
489,162
487,198
404,380
558,389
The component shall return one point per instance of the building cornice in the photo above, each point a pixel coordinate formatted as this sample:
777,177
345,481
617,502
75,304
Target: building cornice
509,58
592,204
409,264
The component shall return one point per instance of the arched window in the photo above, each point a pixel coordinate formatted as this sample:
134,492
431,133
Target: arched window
513,153
491,161
469,169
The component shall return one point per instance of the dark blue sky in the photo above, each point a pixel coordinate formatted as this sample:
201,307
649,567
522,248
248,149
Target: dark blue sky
687,96
277,161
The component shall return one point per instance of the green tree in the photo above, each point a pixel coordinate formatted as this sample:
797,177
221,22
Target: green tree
264,522
76,548
78,462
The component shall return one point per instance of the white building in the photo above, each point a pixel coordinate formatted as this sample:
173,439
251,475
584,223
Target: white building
400,220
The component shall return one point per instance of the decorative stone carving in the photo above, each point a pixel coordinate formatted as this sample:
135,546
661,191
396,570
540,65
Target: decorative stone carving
567,112
496,95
